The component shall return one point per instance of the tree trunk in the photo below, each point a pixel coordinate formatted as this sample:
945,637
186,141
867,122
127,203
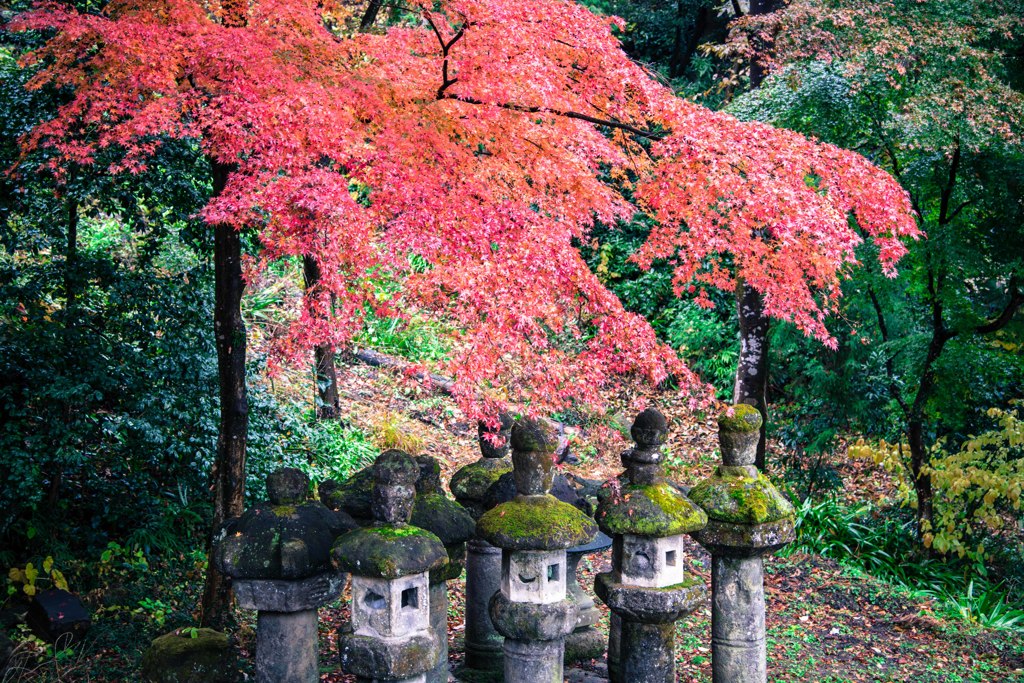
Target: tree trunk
228,474
922,483
56,474
752,367
682,52
328,404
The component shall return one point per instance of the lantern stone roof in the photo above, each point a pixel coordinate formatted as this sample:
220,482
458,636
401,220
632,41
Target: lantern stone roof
537,522
389,551
734,496
658,509
286,538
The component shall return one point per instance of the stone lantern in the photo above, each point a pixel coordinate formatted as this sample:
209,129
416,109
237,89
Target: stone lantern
647,588
390,637
483,561
451,523
748,518
534,530
278,555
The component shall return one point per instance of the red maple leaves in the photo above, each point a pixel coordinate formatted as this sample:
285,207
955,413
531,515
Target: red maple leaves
462,153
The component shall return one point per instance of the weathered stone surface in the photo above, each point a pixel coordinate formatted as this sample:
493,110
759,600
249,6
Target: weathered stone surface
187,656
536,522
737,620
352,496
658,509
389,552
283,540
394,475
538,661
731,495
650,428
470,484
443,517
287,647
58,617
381,659
648,652
483,580
650,605
532,621
439,625
490,449
276,595
504,490
287,486
745,540
584,644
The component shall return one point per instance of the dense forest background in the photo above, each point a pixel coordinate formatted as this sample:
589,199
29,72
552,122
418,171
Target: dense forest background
109,385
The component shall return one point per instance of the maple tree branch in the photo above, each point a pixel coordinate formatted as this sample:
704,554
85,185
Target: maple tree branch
1006,315
610,123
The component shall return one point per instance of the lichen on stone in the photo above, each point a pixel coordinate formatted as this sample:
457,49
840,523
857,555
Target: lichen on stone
739,499
655,510
744,418
388,551
472,481
535,523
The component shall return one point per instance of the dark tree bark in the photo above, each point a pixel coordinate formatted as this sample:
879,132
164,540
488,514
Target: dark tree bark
370,15
328,403
683,50
752,367
751,385
228,474
56,469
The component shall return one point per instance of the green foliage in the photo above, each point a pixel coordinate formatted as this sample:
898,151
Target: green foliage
882,542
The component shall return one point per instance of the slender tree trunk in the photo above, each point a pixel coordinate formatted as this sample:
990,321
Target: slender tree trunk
370,15
751,385
683,51
70,302
228,474
752,367
328,403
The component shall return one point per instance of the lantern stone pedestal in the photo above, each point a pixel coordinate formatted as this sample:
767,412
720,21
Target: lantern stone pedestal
278,555
483,561
647,518
533,531
390,637
585,642
451,523
748,518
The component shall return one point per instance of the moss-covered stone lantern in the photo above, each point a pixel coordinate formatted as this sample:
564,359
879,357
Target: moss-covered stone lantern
390,638
469,485
747,518
278,555
534,530
451,523
647,588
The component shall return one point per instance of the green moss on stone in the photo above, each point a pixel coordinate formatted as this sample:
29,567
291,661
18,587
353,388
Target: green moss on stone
740,499
745,418
388,551
655,510
535,523
472,481
284,510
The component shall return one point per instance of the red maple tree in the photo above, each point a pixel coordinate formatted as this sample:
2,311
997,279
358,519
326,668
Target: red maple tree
465,152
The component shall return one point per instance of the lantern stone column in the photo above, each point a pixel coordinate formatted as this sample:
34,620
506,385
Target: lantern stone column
748,517
647,587
278,555
483,561
451,523
534,530
390,638
585,642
